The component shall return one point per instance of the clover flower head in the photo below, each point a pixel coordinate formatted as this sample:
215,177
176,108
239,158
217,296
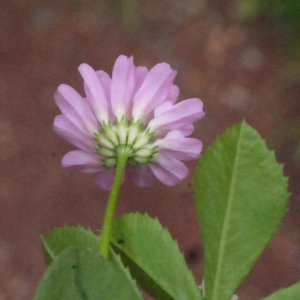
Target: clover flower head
135,110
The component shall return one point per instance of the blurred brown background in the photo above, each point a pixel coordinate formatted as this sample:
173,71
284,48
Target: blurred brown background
240,57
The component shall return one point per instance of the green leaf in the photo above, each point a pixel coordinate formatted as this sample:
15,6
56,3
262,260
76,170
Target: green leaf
81,274
241,197
153,258
60,239
290,293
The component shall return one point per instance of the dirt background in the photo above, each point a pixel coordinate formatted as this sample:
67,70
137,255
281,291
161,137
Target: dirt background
238,62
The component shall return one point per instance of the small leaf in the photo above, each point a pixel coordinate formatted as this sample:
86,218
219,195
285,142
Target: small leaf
153,258
81,274
59,239
241,197
290,293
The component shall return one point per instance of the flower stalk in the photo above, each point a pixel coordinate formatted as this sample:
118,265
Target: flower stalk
112,201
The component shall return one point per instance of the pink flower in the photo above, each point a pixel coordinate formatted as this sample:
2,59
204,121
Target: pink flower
137,109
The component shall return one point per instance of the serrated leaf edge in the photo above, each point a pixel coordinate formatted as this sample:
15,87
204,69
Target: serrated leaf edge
175,243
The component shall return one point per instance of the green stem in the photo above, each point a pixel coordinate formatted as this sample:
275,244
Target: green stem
112,201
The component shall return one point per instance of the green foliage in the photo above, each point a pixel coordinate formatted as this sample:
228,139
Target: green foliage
60,239
82,274
146,247
153,258
287,11
290,293
282,15
241,197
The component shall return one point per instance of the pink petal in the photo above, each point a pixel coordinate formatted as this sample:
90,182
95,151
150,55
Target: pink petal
83,161
176,145
73,106
141,175
94,92
68,131
153,91
105,178
173,94
163,107
140,74
168,170
122,85
186,130
181,114
106,84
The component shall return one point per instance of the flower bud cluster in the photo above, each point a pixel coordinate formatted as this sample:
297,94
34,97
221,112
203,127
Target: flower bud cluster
127,135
